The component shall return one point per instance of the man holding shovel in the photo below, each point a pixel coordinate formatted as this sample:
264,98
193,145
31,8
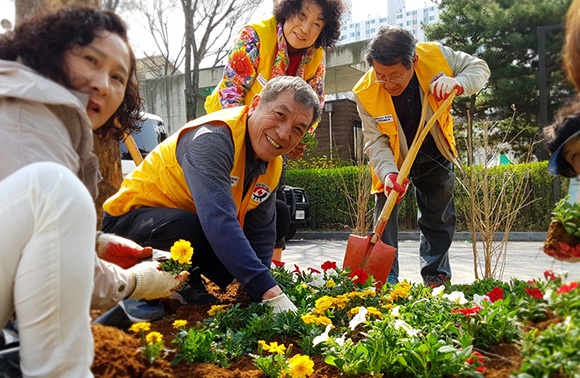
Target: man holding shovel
389,98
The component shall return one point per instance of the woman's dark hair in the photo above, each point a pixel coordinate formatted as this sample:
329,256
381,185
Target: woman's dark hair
566,124
41,43
332,10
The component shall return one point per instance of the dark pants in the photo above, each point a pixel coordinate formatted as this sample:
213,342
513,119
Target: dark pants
161,227
282,223
434,182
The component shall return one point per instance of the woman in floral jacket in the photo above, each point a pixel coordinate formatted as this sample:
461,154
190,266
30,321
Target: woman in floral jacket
291,43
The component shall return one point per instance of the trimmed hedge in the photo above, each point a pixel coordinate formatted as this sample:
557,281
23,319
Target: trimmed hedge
332,207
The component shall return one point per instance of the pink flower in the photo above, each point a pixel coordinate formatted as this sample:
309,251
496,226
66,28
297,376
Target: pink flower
359,276
495,294
328,265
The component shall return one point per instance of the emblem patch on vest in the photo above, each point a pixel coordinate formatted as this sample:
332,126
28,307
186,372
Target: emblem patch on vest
262,80
234,180
384,118
260,192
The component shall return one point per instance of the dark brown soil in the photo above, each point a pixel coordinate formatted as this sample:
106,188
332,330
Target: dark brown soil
117,355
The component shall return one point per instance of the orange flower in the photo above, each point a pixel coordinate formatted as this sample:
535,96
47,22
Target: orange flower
241,63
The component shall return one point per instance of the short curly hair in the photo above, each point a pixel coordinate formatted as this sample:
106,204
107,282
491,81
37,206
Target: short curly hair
41,43
332,10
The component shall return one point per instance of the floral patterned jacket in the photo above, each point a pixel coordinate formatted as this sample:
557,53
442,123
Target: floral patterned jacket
242,68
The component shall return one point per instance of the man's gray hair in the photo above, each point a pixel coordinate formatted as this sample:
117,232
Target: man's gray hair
391,45
303,93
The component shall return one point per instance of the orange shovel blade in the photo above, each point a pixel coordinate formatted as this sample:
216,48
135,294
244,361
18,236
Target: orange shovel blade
376,259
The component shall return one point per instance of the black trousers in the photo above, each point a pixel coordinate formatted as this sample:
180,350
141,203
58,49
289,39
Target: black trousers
161,227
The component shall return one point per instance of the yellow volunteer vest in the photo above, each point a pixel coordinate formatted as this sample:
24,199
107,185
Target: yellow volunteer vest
379,104
159,180
266,30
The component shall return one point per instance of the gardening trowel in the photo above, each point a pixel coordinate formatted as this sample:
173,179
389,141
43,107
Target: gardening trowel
371,253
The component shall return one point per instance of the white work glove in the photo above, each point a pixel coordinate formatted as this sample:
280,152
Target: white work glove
152,283
120,251
280,303
392,184
442,86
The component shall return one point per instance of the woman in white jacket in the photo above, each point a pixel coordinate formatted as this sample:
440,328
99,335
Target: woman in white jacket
62,76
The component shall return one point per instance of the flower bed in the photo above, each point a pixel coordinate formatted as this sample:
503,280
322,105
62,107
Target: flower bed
346,326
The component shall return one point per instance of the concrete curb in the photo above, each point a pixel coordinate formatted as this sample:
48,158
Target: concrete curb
414,235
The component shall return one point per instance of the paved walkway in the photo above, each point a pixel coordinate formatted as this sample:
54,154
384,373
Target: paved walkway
523,260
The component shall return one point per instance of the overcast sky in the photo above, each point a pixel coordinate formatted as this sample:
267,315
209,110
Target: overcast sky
143,43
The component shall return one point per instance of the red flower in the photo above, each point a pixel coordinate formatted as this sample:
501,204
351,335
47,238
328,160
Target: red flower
467,311
567,288
359,276
535,293
297,269
477,359
312,270
495,294
549,275
328,265
278,263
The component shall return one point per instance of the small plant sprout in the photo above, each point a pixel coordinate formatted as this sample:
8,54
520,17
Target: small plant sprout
181,254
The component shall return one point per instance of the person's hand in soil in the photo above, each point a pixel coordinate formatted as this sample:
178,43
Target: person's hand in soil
153,283
120,251
278,300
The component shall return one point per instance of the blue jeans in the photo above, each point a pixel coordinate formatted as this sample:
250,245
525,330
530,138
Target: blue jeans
434,182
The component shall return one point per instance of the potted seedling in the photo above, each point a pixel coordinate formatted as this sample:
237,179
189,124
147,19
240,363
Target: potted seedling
563,238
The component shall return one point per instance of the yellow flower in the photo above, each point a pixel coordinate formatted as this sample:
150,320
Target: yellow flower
330,284
140,326
181,251
215,309
261,343
322,320
154,337
274,347
179,323
308,318
300,366
374,311
401,291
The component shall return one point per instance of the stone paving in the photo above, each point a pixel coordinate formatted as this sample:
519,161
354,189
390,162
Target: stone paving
523,260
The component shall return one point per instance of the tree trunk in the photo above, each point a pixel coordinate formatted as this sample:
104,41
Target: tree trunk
107,149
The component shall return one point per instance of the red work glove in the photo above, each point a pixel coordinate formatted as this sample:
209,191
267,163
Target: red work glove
118,250
392,184
442,86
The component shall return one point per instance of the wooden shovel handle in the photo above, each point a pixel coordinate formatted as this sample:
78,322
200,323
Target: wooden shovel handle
409,159
133,149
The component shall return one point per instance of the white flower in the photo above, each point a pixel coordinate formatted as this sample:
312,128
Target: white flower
479,299
340,340
359,318
401,324
456,297
548,296
438,291
317,281
323,337
396,311
332,273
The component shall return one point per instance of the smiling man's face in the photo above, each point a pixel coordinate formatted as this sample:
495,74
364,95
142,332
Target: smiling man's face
276,127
